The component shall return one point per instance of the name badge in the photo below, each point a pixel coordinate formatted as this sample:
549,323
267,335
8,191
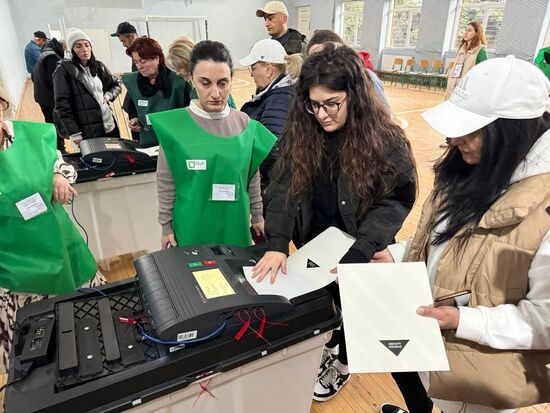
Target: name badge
196,164
457,71
223,192
142,102
31,207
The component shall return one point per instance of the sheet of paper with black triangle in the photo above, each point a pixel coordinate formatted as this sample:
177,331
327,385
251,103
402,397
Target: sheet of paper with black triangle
395,346
311,264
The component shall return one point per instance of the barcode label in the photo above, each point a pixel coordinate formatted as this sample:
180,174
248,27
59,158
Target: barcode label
188,335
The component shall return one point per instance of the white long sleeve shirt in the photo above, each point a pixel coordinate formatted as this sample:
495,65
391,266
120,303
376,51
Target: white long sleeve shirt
523,326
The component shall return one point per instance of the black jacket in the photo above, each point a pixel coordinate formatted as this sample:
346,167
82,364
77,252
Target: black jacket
271,110
52,52
76,109
373,232
293,41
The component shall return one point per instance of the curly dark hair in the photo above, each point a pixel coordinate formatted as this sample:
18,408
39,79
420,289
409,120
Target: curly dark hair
367,138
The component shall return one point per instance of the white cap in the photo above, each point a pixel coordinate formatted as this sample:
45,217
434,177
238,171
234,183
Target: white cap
272,7
503,87
74,35
265,50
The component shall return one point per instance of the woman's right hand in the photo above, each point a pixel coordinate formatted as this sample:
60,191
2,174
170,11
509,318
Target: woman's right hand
270,263
382,256
134,125
168,241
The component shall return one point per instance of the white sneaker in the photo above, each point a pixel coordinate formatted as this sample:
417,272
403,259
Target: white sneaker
329,384
328,357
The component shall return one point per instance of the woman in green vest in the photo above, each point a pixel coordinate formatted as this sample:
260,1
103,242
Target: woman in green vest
153,88
207,172
41,252
179,55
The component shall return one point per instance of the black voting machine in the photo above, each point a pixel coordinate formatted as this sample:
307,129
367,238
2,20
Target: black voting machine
101,350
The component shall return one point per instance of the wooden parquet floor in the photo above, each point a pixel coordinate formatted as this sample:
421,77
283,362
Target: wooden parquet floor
364,392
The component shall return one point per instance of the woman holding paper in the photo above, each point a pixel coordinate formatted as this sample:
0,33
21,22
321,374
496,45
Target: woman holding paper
345,164
207,172
485,236
153,88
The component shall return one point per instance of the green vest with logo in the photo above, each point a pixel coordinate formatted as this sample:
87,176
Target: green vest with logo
211,175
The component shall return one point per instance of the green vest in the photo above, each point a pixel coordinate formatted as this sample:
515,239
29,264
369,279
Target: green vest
156,103
541,63
211,175
44,254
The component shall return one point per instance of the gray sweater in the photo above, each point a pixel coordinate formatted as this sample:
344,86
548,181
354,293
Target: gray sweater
227,123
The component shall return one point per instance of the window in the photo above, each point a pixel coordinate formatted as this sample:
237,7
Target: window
351,22
488,12
404,21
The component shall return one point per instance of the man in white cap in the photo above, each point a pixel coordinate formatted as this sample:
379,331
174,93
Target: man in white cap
275,16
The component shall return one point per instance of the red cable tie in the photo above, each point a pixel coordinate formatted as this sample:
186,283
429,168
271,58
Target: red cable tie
246,325
264,316
127,320
204,389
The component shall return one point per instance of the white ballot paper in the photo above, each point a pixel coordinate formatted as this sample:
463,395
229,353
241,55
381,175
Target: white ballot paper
152,151
383,331
308,269
292,284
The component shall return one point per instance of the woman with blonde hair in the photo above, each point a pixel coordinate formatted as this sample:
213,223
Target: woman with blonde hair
471,51
179,56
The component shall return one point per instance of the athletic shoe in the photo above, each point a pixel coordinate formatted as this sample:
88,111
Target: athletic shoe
329,384
390,408
328,357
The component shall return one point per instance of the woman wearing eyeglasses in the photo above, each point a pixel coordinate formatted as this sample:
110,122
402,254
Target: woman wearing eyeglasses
344,163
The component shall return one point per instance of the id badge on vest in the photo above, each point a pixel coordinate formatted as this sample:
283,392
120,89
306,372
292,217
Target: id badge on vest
224,192
31,206
457,70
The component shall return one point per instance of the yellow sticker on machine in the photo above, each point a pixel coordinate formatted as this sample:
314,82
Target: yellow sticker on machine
213,283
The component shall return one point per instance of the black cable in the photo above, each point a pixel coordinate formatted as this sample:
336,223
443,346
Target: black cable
26,368
99,168
76,220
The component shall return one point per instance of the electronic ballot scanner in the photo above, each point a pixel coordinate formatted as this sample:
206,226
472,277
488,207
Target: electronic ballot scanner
189,316
190,292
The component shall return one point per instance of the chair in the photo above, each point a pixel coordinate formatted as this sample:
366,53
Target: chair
396,68
432,77
442,78
421,76
405,73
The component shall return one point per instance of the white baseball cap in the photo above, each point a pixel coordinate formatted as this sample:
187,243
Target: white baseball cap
503,87
265,50
272,7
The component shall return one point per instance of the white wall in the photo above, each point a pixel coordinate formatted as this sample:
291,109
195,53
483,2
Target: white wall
322,13
233,22
12,64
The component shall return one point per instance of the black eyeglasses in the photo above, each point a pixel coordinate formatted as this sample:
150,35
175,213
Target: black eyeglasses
330,108
4,104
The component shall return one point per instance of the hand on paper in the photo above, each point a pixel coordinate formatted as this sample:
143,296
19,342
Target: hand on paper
62,189
270,263
168,241
382,256
447,316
